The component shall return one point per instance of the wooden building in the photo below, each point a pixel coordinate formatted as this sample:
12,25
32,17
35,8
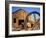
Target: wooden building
18,18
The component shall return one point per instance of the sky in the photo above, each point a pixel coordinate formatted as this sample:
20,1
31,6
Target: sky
28,9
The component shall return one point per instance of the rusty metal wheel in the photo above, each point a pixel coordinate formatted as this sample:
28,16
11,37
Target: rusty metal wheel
34,20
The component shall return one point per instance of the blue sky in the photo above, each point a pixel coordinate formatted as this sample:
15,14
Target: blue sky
28,9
